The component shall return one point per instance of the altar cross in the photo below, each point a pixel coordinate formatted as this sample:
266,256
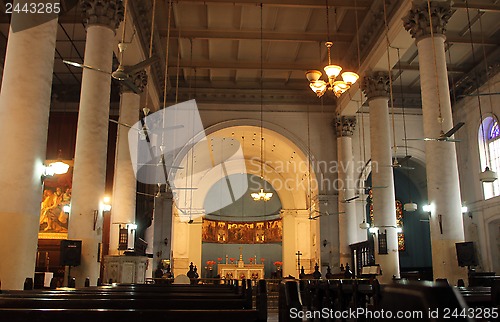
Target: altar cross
298,253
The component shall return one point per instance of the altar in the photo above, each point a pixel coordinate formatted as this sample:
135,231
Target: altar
241,271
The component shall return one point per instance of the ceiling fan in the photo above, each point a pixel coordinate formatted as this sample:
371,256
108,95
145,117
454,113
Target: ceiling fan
399,164
326,213
348,200
123,73
443,137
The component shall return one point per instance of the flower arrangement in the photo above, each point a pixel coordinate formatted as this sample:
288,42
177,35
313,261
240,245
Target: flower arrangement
210,263
219,259
262,260
231,260
250,260
278,263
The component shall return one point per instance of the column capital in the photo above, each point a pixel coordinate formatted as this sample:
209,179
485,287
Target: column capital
108,13
417,21
139,81
344,125
376,84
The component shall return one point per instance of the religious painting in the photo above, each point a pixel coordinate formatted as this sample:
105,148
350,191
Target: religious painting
273,231
261,232
56,195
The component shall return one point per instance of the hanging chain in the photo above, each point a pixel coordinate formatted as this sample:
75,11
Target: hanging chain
125,12
261,94
327,21
402,99
485,61
404,121
391,95
166,53
178,67
440,116
477,85
359,67
148,68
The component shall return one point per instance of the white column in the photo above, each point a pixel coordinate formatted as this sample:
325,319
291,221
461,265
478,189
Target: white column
24,113
348,226
124,183
376,88
443,187
299,234
89,174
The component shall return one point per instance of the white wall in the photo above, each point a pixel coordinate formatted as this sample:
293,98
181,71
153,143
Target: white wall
483,225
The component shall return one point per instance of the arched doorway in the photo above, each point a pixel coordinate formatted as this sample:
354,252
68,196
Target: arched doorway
225,155
414,240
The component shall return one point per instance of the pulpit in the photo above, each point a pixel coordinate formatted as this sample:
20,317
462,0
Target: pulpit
125,269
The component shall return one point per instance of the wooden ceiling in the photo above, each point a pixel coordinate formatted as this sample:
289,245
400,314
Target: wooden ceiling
228,51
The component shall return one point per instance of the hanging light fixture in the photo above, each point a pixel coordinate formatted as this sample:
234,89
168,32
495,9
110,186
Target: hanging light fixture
338,87
488,175
261,195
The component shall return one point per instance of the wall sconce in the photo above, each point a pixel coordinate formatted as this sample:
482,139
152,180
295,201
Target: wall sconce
67,209
106,203
373,230
427,208
464,209
325,242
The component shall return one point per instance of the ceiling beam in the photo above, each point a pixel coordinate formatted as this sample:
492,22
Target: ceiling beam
456,39
255,35
348,4
451,68
283,66
477,6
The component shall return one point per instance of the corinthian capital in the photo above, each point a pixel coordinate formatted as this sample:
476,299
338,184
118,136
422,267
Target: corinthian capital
107,13
417,21
376,84
344,125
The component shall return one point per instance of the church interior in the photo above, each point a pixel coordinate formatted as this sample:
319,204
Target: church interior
280,156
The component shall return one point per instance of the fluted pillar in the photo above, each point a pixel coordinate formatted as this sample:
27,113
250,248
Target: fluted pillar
89,176
24,114
376,88
348,227
125,184
443,187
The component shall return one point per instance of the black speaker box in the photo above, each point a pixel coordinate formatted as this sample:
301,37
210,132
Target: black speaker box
466,254
71,252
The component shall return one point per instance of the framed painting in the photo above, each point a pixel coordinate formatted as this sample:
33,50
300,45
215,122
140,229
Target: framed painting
54,217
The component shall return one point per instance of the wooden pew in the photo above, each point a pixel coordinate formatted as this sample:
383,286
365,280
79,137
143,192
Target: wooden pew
130,303
421,298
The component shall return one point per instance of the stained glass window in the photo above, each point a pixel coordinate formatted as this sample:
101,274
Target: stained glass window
494,131
489,148
399,220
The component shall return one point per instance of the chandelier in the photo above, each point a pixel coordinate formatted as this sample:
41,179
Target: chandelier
261,195
338,87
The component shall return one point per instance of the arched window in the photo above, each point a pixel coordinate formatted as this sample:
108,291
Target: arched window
489,150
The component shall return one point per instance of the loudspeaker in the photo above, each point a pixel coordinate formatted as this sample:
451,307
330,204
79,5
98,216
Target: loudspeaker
71,252
466,254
